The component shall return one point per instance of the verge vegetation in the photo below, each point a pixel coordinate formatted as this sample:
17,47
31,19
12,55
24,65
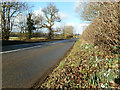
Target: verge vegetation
87,66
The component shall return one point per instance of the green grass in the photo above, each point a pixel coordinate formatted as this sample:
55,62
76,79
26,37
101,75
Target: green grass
33,39
17,38
86,66
13,38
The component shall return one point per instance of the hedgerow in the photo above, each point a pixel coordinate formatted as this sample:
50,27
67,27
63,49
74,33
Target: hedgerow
104,30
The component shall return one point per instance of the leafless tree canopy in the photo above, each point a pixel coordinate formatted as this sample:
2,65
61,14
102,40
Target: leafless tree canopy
50,17
90,10
105,28
8,10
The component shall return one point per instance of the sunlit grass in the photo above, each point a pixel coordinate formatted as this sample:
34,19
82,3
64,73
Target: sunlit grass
32,39
17,38
14,38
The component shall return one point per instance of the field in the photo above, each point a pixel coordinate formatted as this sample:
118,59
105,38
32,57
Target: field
17,38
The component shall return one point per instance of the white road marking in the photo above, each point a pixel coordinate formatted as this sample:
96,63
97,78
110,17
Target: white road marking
18,49
53,43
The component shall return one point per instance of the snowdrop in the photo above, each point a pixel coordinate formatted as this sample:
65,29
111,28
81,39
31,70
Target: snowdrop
107,75
118,71
104,74
86,47
96,64
96,58
95,46
106,58
106,84
109,70
102,86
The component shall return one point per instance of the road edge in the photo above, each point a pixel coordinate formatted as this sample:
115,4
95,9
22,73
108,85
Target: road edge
41,80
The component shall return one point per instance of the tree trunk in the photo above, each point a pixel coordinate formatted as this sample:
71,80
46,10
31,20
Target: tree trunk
29,34
8,24
51,34
3,22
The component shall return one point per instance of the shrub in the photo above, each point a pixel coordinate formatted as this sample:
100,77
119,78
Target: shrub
104,30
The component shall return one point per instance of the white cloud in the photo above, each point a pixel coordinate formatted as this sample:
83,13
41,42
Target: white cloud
57,25
84,24
79,6
20,18
70,24
79,28
38,12
63,15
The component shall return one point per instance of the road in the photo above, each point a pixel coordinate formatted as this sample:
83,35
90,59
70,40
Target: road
23,65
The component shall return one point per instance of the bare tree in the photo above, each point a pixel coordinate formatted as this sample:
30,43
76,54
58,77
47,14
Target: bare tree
90,10
104,30
9,9
20,23
68,31
50,17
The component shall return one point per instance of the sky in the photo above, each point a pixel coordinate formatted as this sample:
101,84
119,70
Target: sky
67,13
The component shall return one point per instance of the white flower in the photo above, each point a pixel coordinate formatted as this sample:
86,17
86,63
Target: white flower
118,71
86,47
104,74
109,70
106,58
96,58
107,74
102,86
95,64
106,84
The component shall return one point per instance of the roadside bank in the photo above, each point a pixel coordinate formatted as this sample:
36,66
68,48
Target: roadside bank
86,66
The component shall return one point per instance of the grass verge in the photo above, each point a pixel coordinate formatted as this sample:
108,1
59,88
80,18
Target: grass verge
86,66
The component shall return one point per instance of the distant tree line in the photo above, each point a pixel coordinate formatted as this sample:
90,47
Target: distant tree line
10,9
29,24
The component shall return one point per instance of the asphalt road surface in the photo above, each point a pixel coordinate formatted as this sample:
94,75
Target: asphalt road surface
23,65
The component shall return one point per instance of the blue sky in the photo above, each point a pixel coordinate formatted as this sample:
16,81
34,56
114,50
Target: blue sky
66,10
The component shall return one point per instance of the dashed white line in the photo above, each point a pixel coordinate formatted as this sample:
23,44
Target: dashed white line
18,50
